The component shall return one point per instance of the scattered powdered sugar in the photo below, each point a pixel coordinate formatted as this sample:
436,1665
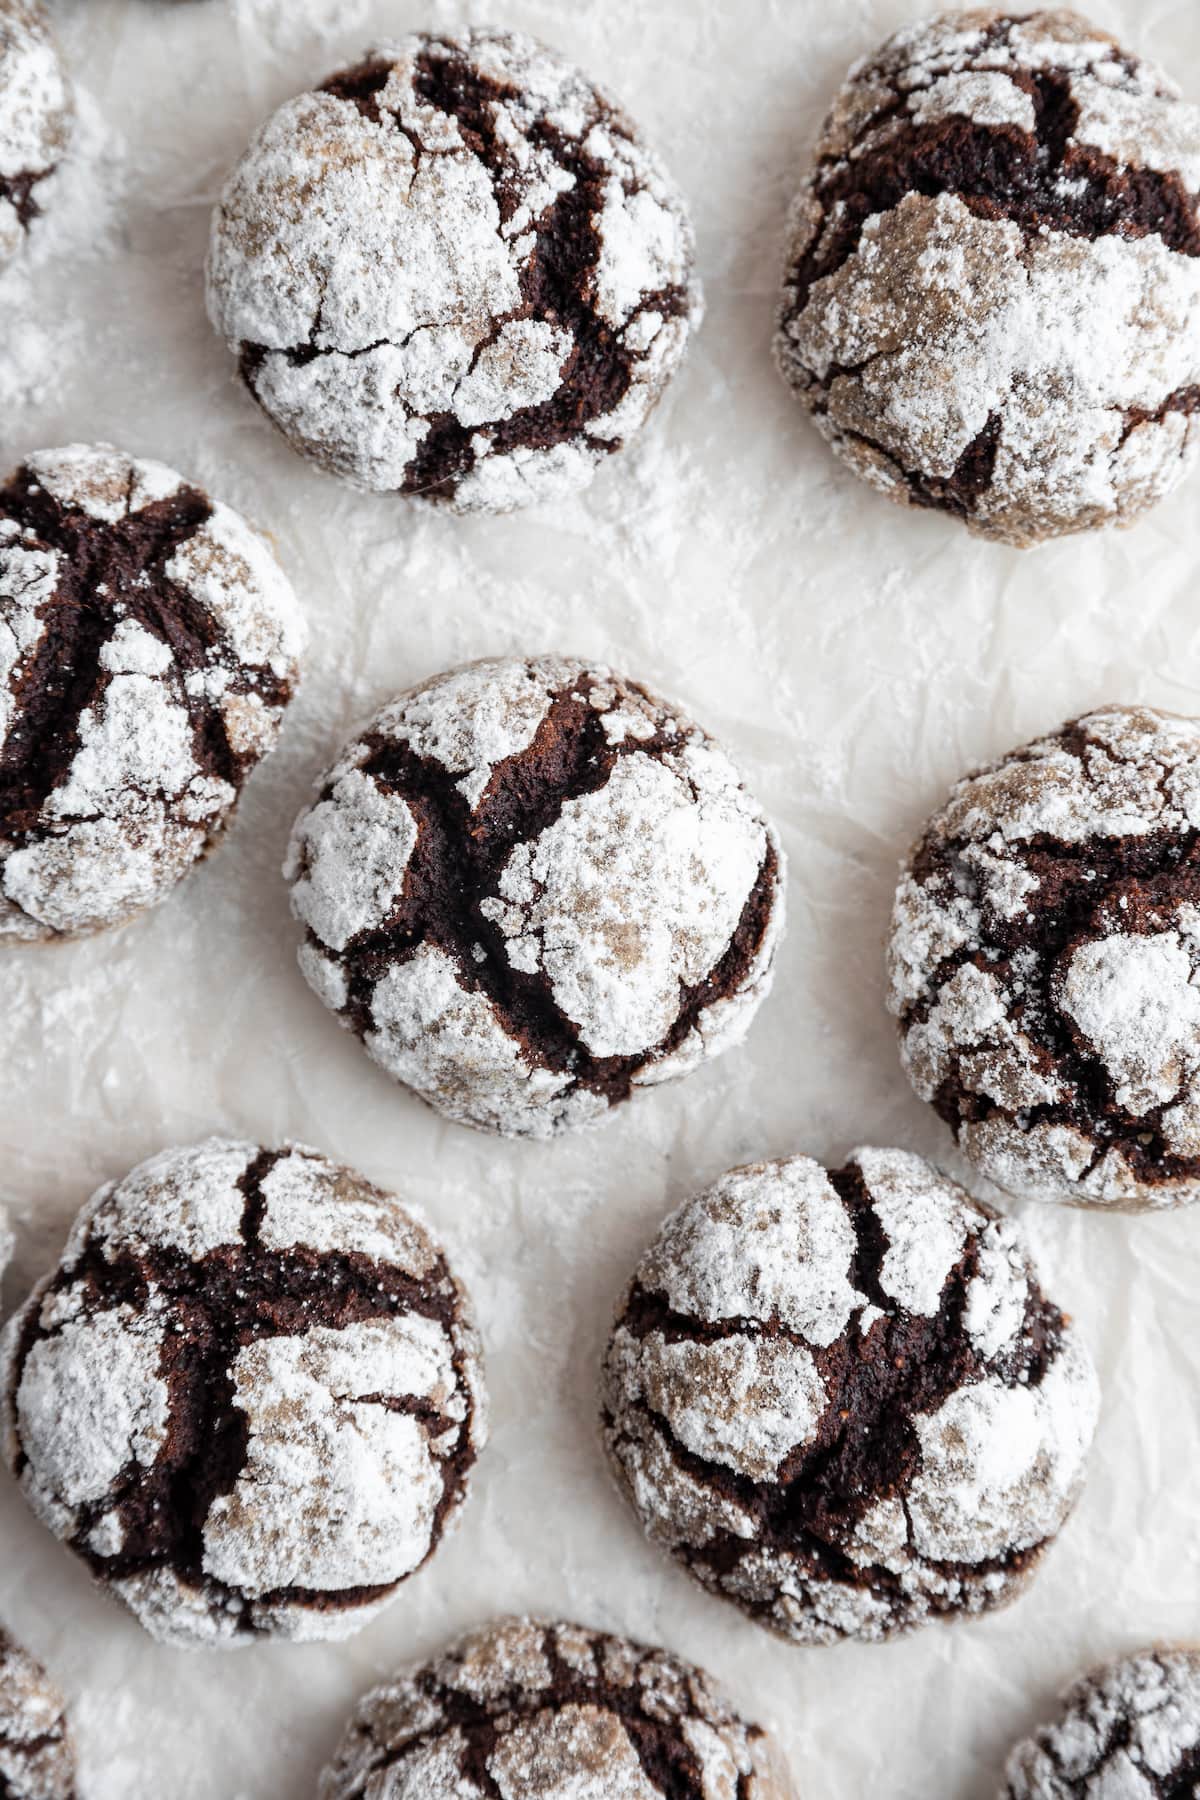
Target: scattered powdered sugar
986,978
361,1416
128,794
37,1760
534,1710
624,899
405,349
1130,1730
743,1341
1035,379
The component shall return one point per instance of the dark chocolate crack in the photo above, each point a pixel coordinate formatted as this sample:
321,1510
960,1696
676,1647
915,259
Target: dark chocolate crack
217,1305
1134,885
21,193
458,862
668,1761
108,573
557,282
865,1448
1041,180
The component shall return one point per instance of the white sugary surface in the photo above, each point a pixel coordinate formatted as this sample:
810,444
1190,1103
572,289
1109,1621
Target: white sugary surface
854,659
626,899
341,1478
940,321
378,243
405,1743
1130,997
1000,1464
36,1761
1130,1730
36,112
134,809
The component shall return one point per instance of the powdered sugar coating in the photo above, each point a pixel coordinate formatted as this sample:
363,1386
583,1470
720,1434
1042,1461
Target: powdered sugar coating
249,1397
36,117
1044,963
37,1759
538,1711
454,271
149,643
842,1401
531,886
992,303
1130,1730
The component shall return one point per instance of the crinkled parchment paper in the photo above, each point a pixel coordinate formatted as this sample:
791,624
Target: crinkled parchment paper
855,658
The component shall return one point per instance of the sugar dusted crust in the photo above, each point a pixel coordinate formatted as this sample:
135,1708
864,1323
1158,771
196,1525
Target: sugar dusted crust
992,297
250,1397
37,1758
548,1711
1044,963
1131,1728
149,644
36,117
842,1401
531,887
454,271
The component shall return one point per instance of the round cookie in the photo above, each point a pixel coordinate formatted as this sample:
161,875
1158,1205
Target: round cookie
148,647
250,1396
841,1400
992,297
1043,962
454,271
1128,1731
531,887
541,1711
37,112
37,1758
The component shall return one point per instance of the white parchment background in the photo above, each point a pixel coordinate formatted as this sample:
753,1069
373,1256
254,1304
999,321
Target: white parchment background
855,658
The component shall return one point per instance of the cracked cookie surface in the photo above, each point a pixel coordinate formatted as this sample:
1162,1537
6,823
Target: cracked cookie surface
250,1396
841,1400
1129,1730
37,112
534,1710
1044,963
37,1758
455,271
992,296
530,887
149,644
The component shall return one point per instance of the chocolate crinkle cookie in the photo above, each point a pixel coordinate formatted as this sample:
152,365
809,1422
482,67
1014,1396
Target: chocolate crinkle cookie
249,1397
992,297
841,1400
148,647
1129,1731
37,113
37,1759
540,1711
454,271
530,887
1045,963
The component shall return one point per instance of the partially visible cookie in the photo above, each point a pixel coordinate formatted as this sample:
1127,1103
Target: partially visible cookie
455,271
1044,963
842,1401
992,297
537,1711
1127,1731
37,1759
149,644
250,1397
36,115
531,887
7,1242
